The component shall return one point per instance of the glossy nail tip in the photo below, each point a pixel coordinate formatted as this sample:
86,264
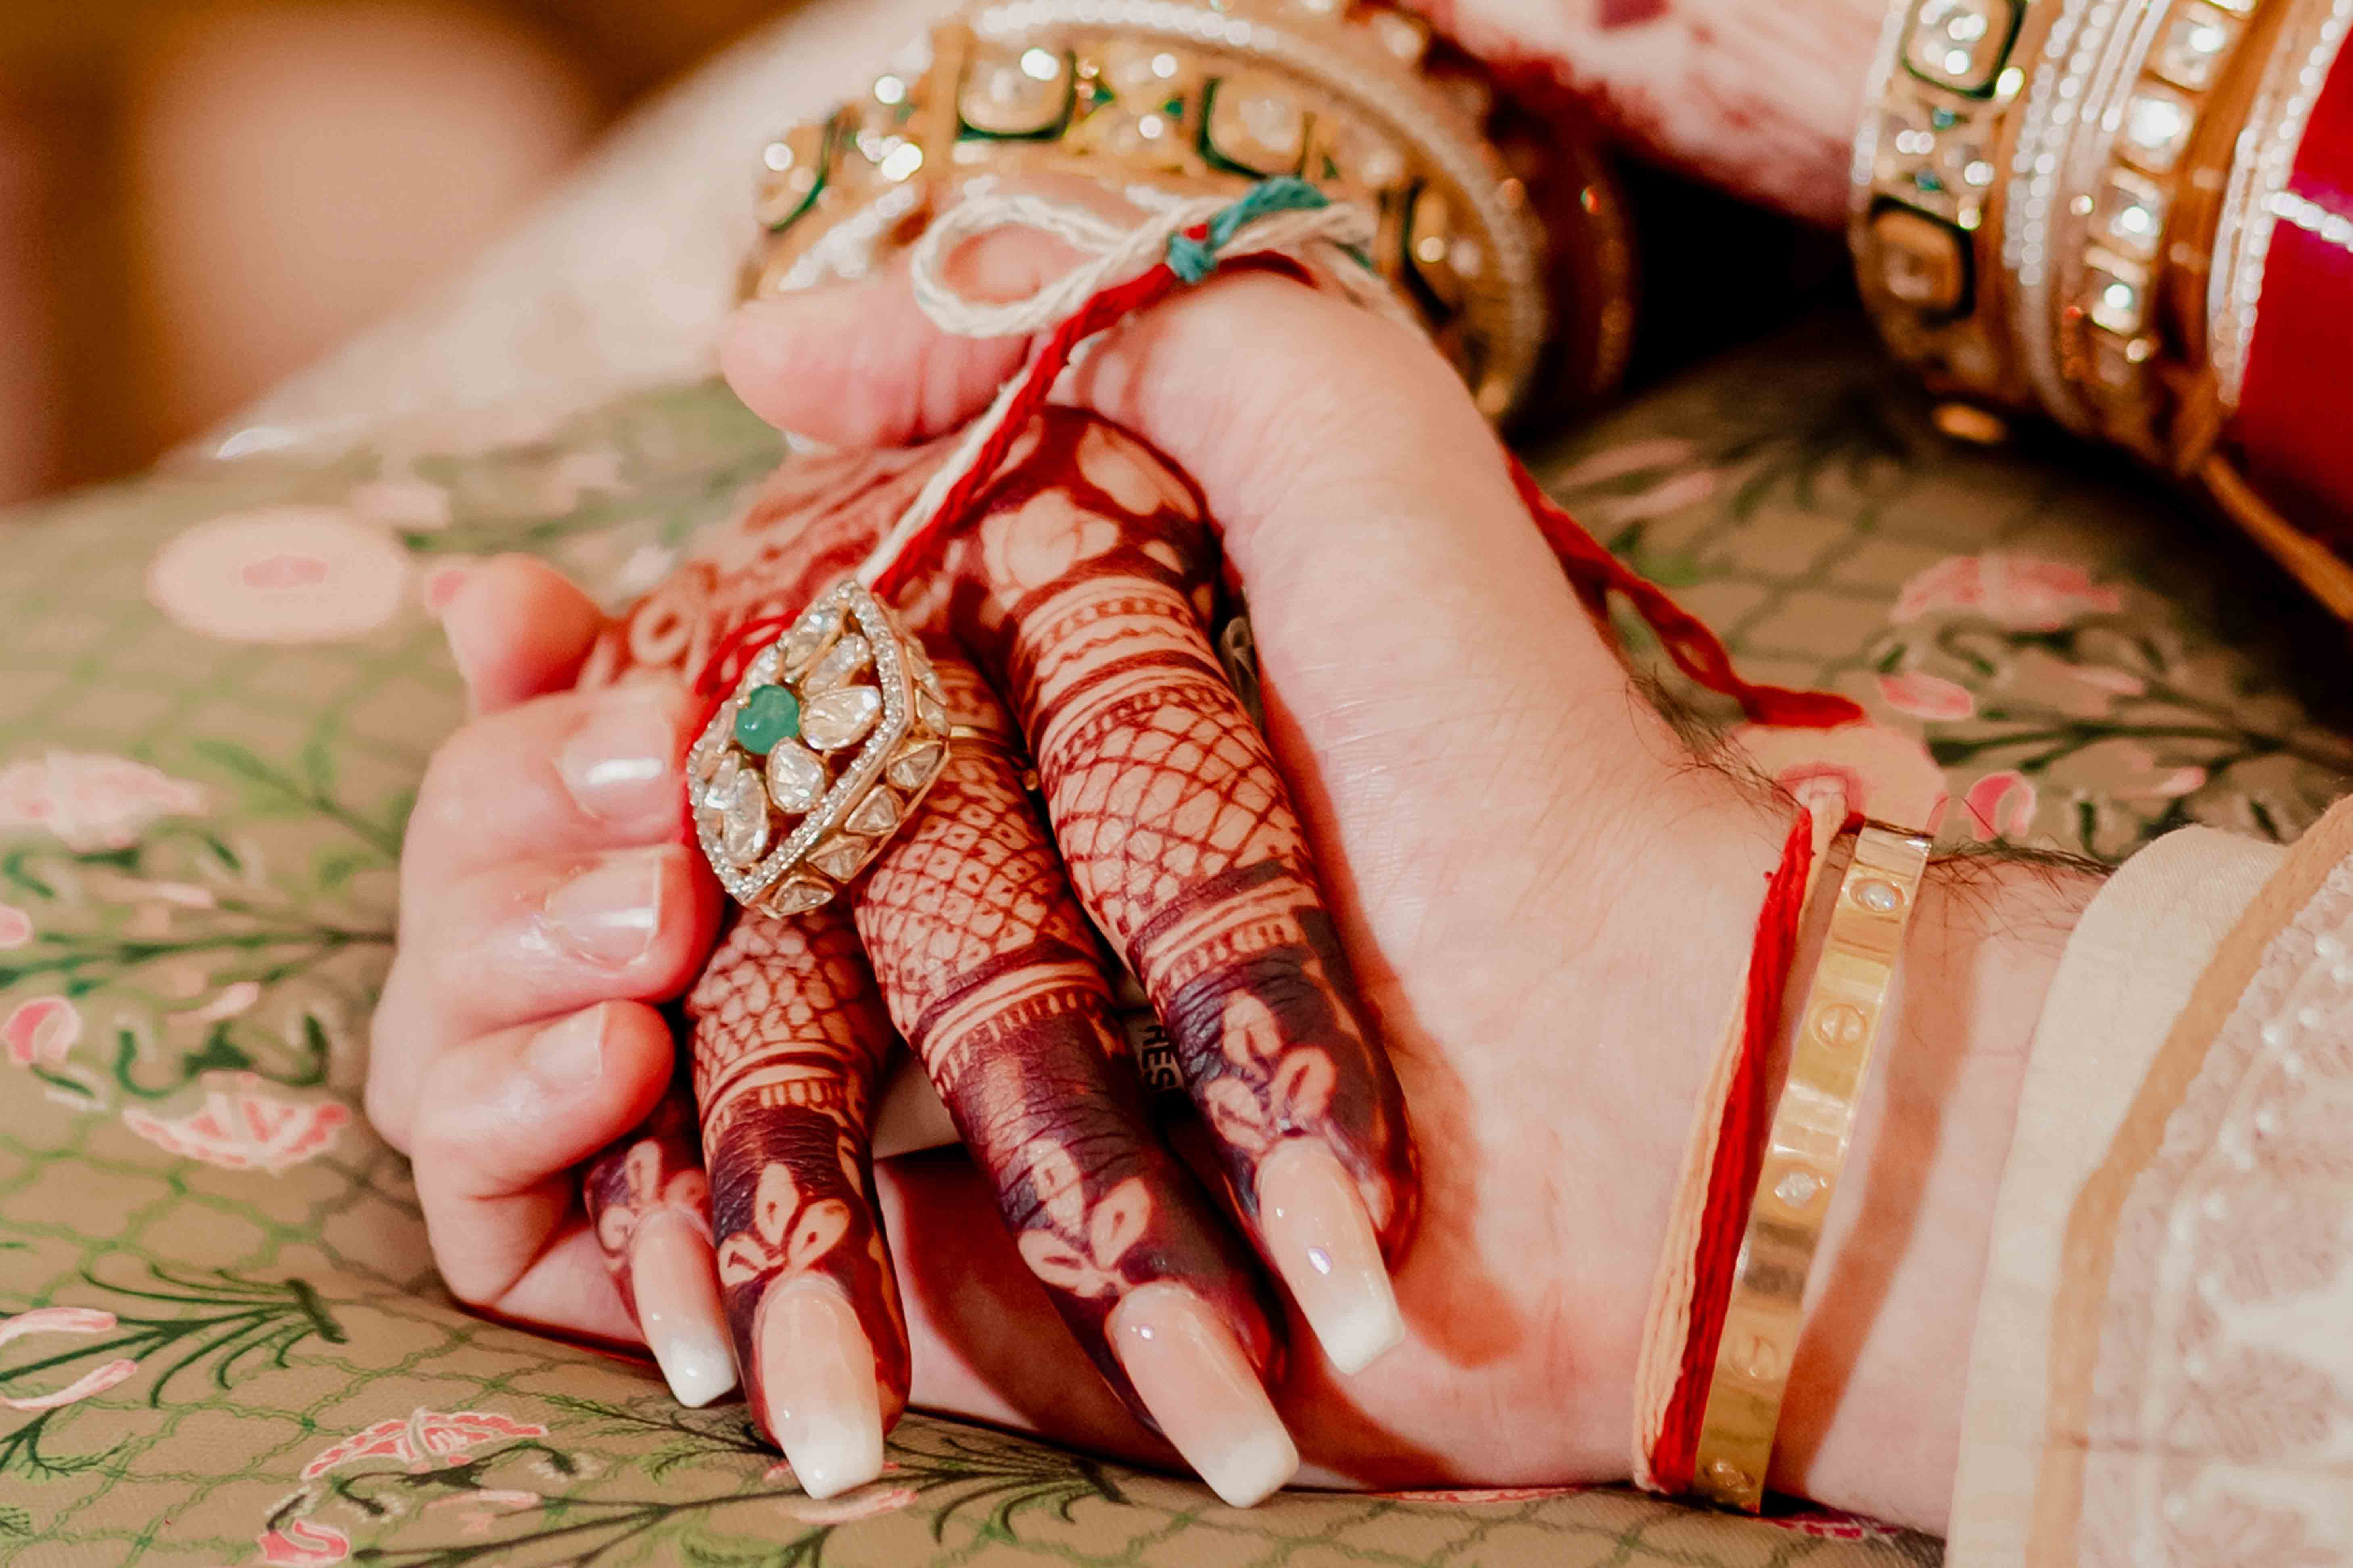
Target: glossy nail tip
1353,1339
697,1374
676,1290
1190,1373
817,1368
1254,1471
1322,1242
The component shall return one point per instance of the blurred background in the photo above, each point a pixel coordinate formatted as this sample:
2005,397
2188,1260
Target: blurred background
200,196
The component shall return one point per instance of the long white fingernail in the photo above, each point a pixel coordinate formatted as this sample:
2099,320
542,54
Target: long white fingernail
817,1369
1322,1241
675,1284
1192,1375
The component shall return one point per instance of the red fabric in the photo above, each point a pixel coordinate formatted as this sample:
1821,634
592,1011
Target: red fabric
1739,1153
2295,410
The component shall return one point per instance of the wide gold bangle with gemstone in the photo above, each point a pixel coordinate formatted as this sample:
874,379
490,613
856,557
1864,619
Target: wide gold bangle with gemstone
1155,96
1925,222
1813,1123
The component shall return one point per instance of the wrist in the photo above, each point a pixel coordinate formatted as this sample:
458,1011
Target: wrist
1873,1415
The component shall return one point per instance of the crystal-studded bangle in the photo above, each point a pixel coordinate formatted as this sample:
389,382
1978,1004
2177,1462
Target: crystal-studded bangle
2132,239
1813,1123
1924,223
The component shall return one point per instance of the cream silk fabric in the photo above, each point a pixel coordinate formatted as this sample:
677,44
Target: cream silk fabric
2161,1372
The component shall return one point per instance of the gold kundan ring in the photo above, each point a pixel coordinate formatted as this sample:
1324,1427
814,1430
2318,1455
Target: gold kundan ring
829,741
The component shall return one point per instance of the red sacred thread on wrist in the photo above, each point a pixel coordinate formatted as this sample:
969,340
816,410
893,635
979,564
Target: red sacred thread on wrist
1739,1156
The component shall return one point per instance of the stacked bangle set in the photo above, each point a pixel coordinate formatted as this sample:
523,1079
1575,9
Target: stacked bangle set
2129,216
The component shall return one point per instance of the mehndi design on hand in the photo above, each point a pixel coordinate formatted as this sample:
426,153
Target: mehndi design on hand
1082,590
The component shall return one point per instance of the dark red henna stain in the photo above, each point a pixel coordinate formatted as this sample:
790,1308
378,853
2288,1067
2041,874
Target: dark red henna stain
1087,584
789,1041
658,1166
992,974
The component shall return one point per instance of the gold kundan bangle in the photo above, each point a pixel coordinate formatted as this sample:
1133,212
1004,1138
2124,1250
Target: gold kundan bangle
1812,1125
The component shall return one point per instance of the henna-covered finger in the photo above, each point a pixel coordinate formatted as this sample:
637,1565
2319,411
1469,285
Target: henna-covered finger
649,1205
1095,573
789,1044
991,972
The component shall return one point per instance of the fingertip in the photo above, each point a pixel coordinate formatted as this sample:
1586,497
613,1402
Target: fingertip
1318,1235
518,628
823,1401
674,1286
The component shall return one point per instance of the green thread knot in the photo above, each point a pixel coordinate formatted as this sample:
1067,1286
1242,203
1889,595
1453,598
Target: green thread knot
1193,259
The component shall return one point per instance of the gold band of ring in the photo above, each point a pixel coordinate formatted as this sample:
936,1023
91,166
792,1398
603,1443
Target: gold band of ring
1813,1123
974,735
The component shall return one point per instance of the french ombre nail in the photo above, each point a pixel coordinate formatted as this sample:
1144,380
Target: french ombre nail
816,1374
1190,1373
674,1284
1321,1240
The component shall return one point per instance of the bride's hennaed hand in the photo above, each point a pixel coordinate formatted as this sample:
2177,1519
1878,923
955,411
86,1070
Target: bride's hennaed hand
1545,903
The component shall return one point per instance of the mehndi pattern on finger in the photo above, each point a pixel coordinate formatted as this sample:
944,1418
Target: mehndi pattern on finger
994,976
1173,820
789,1041
653,1169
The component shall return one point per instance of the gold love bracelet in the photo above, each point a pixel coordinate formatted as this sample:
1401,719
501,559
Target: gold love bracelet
1813,1125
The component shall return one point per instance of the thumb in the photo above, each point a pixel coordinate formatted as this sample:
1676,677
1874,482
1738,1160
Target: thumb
858,364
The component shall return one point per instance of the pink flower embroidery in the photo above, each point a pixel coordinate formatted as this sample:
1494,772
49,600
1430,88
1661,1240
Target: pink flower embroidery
1297,1084
64,1320
481,1509
1929,697
43,1030
233,999
1634,458
1669,495
2002,806
2024,593
242,1127
16,927
2108,678
864,1504
785,1234
280,574
304,1543
440,581
1868,768
1090,1265
422,1440
2150,780
91,801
